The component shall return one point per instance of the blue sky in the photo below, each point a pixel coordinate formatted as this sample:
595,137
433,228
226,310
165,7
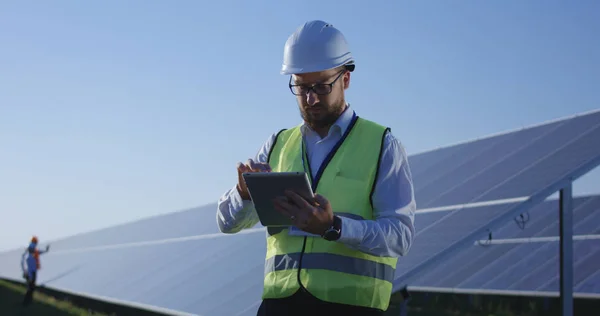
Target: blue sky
115,110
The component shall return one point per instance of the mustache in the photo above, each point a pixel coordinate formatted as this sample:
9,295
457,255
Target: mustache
316,105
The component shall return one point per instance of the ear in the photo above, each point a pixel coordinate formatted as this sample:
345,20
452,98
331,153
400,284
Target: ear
346,80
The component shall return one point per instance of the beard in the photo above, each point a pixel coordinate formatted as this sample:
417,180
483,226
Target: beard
324,115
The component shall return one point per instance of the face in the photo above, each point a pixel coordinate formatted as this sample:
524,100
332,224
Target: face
320,110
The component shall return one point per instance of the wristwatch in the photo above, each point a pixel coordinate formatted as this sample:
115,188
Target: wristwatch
334,232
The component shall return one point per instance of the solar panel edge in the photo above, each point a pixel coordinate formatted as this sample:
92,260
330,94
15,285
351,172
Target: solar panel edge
425,184
508,131
475,291
134,221
93,234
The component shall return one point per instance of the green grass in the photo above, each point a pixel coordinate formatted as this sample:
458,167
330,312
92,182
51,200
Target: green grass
11,297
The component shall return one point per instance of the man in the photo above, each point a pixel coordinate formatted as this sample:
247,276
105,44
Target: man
340,256
30,267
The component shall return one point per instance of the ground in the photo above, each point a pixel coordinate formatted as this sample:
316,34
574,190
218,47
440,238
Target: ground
11,296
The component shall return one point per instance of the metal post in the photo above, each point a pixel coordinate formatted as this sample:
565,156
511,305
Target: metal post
566,250
404,308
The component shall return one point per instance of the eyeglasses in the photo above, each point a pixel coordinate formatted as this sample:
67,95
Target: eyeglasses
319,88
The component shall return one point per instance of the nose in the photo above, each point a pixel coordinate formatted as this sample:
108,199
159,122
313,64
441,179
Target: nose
312,98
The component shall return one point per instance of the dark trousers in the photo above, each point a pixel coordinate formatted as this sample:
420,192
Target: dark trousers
303,303
30,289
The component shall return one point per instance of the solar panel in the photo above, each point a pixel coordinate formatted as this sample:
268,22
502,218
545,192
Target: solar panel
447,228
180,261
214,276
516,166
567,151
523,255
200,220
469,160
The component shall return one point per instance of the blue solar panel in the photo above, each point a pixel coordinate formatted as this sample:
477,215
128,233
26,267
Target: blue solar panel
206,277
191,222
567,152
223,275
549,169
518,167
543,222
524,266
592,283
472,160
446,230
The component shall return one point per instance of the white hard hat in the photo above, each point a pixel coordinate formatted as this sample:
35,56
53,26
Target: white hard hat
315,46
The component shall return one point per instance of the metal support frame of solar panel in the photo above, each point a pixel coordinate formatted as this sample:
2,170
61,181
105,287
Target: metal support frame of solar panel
548,161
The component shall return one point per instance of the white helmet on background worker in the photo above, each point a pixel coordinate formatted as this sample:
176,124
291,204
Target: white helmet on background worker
315,46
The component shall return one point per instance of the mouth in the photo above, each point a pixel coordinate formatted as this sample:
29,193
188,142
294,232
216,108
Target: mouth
314,109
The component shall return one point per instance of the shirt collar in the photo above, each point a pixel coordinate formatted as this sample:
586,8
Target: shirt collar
340,125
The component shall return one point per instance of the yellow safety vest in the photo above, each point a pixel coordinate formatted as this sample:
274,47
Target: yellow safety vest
330,270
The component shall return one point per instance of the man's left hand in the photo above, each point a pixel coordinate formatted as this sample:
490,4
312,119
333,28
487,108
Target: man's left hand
312,215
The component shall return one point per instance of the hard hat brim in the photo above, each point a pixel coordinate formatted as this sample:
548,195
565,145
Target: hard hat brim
286,70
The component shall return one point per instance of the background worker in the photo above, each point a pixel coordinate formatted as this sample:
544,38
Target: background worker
30,263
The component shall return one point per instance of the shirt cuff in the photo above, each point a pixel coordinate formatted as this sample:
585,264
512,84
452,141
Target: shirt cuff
352,231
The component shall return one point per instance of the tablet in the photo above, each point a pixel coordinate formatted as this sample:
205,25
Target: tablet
264,187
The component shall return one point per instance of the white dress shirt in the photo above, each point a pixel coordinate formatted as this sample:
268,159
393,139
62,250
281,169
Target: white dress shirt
390,233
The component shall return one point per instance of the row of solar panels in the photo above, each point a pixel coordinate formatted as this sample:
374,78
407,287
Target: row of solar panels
179,261
222,274
509,165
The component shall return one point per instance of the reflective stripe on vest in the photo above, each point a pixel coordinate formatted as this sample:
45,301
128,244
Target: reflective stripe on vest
332,262
331,271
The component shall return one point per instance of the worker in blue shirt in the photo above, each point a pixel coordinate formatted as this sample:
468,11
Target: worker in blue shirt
30,263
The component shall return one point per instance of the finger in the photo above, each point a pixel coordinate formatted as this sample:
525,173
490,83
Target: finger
321,200
250,164
297,199
287,212
256,166
307,197
267,167
301,221
283,206
242,167
263,167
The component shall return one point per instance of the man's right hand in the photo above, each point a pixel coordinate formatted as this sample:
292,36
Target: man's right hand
249,166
